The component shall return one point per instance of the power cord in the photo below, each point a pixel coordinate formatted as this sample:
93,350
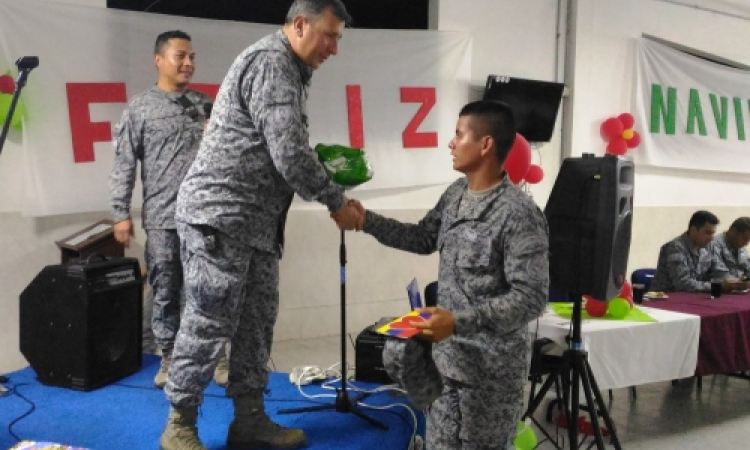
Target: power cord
299,379
14,391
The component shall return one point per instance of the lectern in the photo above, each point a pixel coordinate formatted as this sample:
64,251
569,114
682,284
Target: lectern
97,238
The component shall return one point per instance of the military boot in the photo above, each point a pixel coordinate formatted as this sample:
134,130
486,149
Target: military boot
252,428
181,432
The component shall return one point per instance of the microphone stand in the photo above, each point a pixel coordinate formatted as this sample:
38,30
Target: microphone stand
343,403
25,65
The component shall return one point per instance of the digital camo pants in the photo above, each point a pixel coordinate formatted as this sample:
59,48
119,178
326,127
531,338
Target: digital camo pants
460,416
232,296
165,277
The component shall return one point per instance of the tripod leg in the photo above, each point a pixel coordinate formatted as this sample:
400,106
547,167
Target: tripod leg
605,414
546,386
591,405
574,398
369,419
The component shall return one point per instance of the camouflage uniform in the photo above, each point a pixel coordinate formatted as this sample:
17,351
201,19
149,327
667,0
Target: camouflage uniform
156,130
735,260
493,277
684,268
231,211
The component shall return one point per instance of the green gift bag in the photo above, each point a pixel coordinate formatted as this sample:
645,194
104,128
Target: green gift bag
347,166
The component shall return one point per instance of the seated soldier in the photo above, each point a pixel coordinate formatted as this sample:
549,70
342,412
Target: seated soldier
687,264
729,248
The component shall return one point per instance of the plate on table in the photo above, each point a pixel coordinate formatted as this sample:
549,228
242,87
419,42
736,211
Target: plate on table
653,295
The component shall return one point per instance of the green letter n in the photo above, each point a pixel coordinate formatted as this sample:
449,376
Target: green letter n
660,110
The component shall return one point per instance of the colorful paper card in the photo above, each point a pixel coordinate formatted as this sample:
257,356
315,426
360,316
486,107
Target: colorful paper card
402,328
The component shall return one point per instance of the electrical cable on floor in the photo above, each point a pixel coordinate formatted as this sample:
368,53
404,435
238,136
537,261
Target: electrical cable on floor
14,391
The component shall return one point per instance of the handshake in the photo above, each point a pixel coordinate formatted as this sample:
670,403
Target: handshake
350,217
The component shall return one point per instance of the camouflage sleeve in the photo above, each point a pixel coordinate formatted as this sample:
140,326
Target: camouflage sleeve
745,264
719,269
525,245
418,238
277,109
128,145
679,272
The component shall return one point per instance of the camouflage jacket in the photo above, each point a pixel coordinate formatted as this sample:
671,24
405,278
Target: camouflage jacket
493,275
156,130
736,261
256,153
684,268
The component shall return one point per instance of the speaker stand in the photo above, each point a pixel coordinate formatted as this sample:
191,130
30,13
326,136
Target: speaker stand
343,403
575,365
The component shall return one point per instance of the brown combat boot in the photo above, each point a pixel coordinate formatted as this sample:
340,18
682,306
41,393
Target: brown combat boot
252,428
181,432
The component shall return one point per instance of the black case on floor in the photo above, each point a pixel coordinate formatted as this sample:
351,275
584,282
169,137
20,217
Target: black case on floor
368,364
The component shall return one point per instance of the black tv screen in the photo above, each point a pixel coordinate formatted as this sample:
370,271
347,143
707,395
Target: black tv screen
534,104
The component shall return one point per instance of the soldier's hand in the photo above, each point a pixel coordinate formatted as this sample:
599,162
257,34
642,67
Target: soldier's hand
438,327
123,231
360,210
346,218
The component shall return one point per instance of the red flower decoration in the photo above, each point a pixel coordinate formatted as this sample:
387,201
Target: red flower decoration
618,132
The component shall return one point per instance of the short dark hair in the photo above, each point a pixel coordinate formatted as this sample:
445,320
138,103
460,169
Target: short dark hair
496,120
700,218
163,39
312,9
741,225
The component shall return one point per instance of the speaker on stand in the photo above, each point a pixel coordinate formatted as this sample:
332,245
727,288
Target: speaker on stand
80,323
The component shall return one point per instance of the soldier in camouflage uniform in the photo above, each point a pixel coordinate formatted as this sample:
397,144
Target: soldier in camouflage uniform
687,263
729,248
493,280
231,212
162,128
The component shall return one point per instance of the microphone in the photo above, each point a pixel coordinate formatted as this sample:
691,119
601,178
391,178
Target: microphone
27,62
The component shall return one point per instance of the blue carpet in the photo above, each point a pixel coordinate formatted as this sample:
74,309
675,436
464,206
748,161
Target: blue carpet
130,415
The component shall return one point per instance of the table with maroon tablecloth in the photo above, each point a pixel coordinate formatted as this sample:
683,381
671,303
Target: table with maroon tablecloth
724,342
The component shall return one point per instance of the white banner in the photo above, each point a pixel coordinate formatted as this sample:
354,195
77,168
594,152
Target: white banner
691,113
396,93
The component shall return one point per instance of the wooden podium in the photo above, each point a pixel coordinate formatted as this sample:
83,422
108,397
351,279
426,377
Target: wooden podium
98,238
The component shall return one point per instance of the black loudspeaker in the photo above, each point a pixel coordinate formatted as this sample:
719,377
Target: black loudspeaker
80,322
590,216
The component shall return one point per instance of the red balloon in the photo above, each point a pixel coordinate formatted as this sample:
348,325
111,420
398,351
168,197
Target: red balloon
7,85
627,120
611,128
617,146
635,141
535,174
626,290
595,308
519,159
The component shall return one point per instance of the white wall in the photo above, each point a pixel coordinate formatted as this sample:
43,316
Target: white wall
606,35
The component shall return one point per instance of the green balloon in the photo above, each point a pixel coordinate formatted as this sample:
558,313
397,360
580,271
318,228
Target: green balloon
525,437
618,308
17,119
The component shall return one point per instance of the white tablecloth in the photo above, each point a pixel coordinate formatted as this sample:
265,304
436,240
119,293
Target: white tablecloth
623,354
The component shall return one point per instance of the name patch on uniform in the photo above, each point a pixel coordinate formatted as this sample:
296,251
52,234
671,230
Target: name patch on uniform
283,116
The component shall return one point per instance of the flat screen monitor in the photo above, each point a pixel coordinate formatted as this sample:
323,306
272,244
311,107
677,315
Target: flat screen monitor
534,103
